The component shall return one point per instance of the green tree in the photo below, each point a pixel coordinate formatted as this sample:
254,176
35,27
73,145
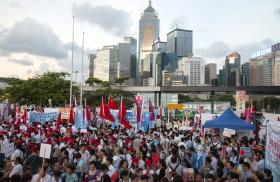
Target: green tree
94,98
39,89
121,81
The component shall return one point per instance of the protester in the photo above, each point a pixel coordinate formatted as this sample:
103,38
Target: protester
107,153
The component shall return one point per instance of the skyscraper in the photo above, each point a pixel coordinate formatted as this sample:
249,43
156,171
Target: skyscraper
232,70
106,63
193,69
245,74
180,41
148,32
276,73
91,58
127,52
261,70
210,73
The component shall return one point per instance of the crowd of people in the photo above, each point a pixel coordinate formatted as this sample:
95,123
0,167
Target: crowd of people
118,154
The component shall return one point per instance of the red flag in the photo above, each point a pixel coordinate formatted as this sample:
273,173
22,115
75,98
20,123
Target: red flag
112,104
122,114
71,116
241,153
58,122
152,111
88,113
105,112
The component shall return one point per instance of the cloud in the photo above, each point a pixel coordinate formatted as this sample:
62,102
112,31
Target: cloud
179,21
219,50
108,18
24,62
277,12
33,37
216,50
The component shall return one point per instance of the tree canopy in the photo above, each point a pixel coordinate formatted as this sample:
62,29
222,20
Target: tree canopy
39,89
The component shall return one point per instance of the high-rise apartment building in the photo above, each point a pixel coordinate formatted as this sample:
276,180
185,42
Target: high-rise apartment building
148,32
180,41
193,69
210,73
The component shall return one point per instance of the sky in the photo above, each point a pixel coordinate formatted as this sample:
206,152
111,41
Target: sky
36,35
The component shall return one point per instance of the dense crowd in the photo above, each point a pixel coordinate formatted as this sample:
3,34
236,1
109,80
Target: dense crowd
118,154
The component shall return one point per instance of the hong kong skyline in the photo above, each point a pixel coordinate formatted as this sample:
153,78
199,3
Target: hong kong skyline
35,36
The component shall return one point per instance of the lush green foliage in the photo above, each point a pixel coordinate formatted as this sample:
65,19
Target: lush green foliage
39,89
94,98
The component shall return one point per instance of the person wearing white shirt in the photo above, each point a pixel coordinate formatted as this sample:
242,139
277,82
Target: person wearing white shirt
18,153
17,167
214,161
42,176
37,138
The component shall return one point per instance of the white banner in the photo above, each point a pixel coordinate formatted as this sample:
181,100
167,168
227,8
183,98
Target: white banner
8,149
45,151
272,152
228,132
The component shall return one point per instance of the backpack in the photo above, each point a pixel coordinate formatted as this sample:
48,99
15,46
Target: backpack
173,170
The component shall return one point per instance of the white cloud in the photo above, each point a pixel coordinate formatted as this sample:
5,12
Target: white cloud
24,62
219,50
111,20
33,37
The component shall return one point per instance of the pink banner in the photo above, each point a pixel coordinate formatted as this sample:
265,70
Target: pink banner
139,105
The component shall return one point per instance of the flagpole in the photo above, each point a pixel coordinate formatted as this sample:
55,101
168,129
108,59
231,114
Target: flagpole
121,111
81,96
71,83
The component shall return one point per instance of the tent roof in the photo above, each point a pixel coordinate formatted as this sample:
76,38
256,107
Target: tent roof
229,120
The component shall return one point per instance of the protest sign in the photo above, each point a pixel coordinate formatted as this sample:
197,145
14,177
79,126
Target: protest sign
45,151
42,117
245,152
272,152
8,149
65,113
228,132
240,100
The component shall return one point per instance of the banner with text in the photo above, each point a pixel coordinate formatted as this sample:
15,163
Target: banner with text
8,149
42,117
240,100
272,152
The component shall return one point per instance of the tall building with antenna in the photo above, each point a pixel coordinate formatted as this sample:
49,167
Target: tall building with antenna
148,32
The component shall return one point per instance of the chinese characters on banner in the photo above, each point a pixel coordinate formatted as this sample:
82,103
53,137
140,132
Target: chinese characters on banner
240,100
272,152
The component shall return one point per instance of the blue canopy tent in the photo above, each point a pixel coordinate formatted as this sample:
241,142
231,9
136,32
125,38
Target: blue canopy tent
229,120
